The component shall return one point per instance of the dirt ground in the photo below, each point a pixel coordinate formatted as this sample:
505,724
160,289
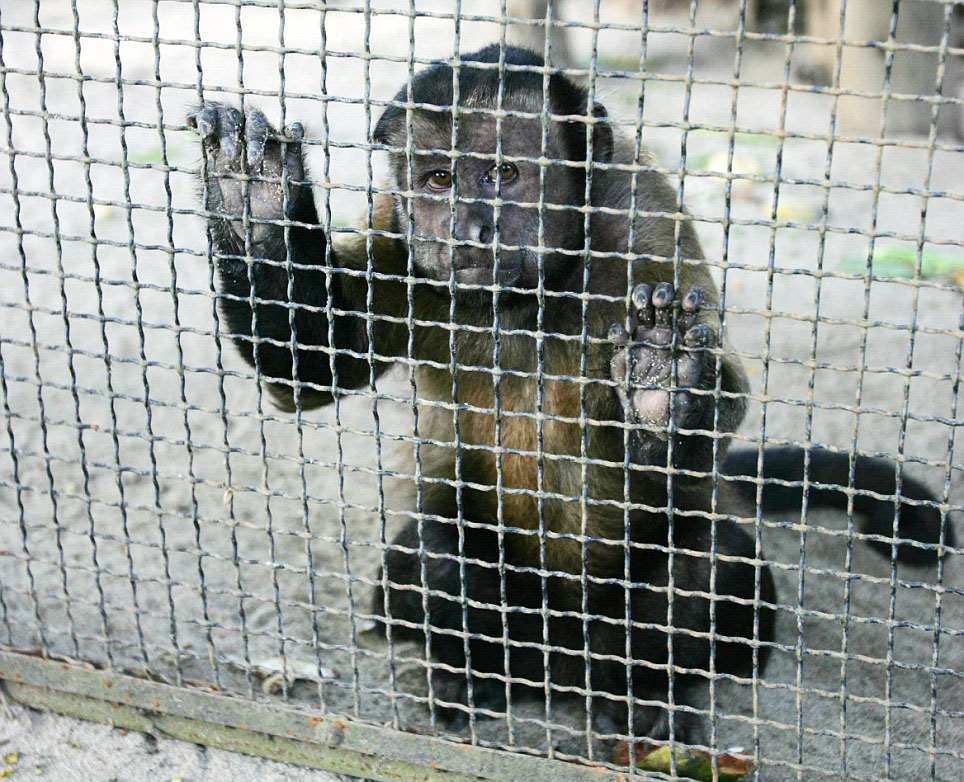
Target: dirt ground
158,514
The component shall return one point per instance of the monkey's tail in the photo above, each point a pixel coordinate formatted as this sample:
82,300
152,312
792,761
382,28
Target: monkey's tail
919,524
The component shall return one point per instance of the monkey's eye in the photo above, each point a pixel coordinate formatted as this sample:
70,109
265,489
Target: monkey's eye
440,180
507,170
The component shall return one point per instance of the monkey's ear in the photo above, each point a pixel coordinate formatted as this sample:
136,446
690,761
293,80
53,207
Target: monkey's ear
602,135
392,118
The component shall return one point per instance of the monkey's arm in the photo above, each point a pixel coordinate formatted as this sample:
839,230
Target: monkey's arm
286,299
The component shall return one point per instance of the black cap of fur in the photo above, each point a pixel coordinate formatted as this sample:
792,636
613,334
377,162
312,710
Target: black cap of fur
479,87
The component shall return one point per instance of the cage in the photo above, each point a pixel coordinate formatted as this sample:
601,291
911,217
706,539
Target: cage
233,472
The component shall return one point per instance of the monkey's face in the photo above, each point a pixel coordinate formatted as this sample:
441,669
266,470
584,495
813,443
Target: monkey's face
490,211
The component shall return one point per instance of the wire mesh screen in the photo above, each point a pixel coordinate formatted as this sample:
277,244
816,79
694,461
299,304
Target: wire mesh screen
355,358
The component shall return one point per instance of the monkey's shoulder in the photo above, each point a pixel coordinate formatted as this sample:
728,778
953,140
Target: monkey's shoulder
378,237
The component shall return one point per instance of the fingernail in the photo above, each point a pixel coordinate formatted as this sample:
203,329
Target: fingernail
641,296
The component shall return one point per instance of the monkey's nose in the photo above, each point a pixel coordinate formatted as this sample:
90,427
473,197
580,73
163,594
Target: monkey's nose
482,233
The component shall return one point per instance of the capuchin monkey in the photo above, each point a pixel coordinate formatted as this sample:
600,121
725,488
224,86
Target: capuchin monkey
548,508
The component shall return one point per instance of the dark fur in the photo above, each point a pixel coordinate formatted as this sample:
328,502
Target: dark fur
577,469
919,525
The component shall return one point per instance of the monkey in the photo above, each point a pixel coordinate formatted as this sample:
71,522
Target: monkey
574,399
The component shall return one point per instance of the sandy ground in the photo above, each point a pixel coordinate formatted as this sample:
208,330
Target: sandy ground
201,534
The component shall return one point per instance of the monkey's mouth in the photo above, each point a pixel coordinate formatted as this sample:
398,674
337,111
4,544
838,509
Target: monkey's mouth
487,275
480,269
475,275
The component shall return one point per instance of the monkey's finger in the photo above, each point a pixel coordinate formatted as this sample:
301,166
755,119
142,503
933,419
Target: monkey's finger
693,299
294,133
691,305
618,334
619,366
643,302
663,303
206,121
256,132
700,336
229,133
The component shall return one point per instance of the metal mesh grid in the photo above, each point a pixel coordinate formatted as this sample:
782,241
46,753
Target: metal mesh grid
161,516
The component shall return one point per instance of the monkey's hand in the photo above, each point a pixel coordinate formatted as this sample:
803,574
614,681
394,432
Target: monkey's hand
661,365
248,164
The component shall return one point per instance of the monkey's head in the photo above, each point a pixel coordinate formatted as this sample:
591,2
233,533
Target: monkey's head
476,202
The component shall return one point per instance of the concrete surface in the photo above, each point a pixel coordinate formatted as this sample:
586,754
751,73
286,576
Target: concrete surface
61,749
